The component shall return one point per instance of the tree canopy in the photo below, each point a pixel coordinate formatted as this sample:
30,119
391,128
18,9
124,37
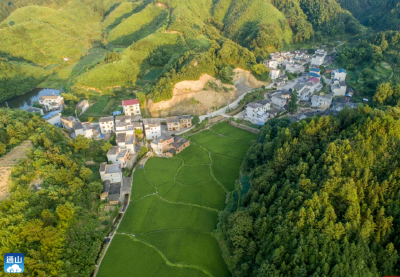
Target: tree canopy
324,198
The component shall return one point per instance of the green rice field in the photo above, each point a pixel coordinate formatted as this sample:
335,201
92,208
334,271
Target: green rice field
175,204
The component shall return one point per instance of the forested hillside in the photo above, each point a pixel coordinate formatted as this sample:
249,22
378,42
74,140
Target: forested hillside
53,214
324,198
372,61
17,78
380,14
185,32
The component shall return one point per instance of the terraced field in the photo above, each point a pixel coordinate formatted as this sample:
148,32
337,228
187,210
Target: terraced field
175,204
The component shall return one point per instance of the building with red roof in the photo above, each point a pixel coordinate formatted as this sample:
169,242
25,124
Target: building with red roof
131,107
315,80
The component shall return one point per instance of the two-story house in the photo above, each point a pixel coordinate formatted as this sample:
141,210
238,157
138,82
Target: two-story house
294,68
161,144
152,128
271,63
185,121
339,87
339,74
266,103
106,124
68,122
131,107
274,74
84,129
319,57
111,172
256,112
116,155
280,98
51,102
173,123
321,101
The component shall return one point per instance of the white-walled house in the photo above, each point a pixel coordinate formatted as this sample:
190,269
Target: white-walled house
126,141
319,57
271,63
280,98
127,124
274,74
131,107
111,172
106,124
339,88
339,74
54,118
321,101
256,112
294,68
152,128
51,102
266,103
116,155
84,129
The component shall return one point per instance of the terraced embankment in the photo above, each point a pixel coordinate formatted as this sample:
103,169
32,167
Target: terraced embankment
175,204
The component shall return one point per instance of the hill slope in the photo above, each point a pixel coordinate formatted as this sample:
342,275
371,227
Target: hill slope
324,199
167,35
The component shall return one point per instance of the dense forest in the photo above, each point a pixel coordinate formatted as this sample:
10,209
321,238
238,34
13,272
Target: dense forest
53,212
379,14
324,198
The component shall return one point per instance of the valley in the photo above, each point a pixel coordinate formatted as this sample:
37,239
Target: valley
204,138
167,229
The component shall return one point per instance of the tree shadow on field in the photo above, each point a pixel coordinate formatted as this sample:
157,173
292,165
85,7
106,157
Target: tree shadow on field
144,31
118,20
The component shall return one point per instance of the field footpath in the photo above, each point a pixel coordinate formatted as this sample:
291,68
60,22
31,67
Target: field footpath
175,207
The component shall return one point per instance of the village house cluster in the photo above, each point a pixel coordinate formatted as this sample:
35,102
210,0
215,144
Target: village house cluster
290,61
308,86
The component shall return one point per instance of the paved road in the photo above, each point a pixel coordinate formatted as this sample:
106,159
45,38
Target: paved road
232,105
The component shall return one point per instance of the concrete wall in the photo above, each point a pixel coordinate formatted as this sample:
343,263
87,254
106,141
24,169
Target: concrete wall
244,127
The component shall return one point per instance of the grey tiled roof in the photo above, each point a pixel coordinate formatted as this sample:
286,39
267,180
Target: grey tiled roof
121,137
77,126
254,105
106,119
113,150
172,119
129,139
106,186
103,167
33,110
162,138
113,168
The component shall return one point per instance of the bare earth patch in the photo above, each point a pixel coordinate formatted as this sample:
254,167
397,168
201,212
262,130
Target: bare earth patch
7,162
203,95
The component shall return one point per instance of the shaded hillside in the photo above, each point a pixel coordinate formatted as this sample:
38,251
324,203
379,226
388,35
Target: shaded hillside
172,36
17,78
380,14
